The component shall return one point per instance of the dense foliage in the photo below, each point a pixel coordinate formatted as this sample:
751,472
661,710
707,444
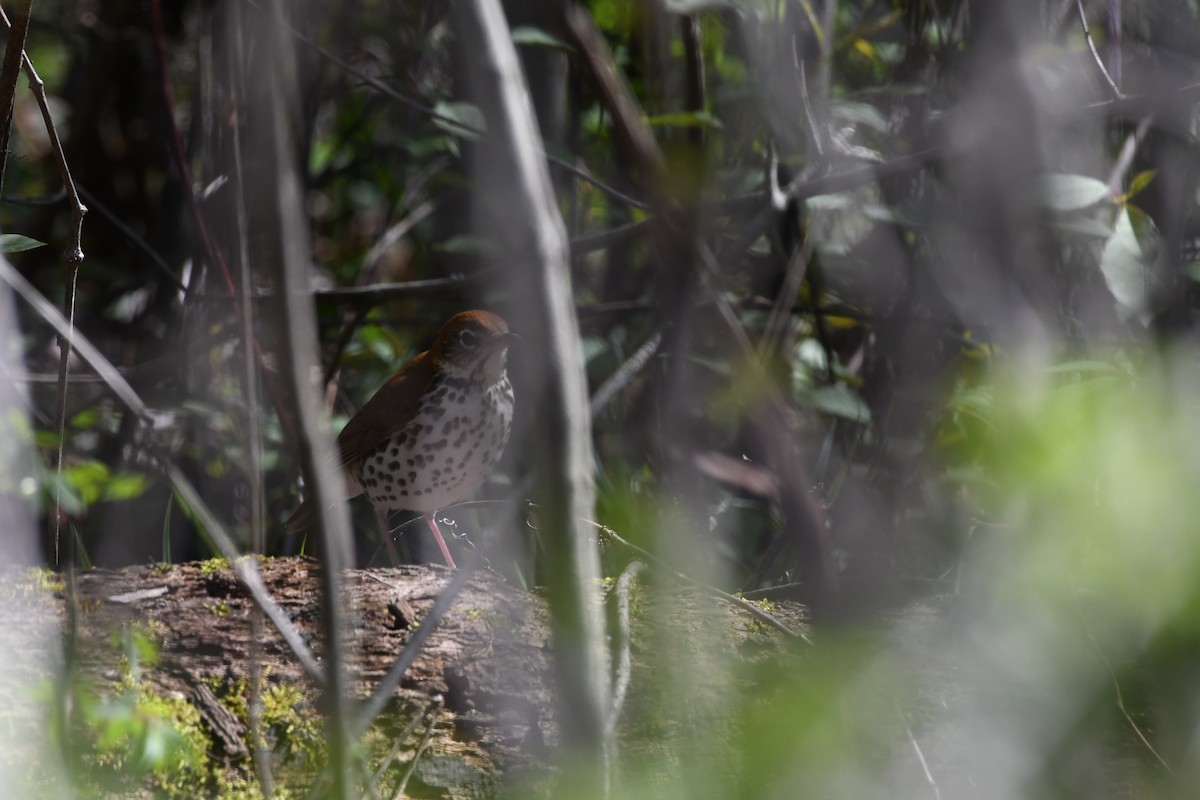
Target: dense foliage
881,302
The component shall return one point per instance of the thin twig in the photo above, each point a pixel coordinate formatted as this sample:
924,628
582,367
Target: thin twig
179,152
246,569
937,793
1120,698
74,251
1112,86
429,623
714,591
435,703
135,237
412,765
14,49
1125,158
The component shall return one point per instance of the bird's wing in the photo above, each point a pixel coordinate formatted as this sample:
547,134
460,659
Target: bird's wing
388,412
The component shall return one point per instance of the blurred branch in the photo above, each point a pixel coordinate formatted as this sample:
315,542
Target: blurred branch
1112,86
912,740
1125,157
433,707
809,529
245,568
532,233
385,691
625,374
412,765
745,605
179,152
624,591
282,226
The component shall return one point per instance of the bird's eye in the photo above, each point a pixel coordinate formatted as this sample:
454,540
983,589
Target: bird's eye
468,338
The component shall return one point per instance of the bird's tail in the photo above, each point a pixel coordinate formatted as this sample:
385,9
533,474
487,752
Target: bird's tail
301,519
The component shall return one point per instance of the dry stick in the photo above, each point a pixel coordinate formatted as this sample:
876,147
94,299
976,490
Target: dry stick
714,591
1112,86
13,51
245,568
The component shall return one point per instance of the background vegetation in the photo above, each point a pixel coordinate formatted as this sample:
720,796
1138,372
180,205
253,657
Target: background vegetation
887,306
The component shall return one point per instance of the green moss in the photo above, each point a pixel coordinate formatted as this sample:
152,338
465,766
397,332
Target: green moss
47,580
212,565
289,722
220,608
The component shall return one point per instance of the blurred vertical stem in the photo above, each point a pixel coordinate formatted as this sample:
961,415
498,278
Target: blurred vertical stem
281,226
8,76
523,217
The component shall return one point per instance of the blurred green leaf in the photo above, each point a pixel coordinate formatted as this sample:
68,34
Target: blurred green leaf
126,486
684,119
1126,272
1071,192
1140,182
471,124
839,401
536,37
696,6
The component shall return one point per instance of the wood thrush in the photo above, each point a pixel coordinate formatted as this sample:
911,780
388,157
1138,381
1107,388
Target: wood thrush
433,433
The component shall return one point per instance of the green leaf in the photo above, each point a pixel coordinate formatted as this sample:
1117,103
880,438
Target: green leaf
469,119
1071,192
16,243
1126,271
1140,182
126,486
536,37
840,402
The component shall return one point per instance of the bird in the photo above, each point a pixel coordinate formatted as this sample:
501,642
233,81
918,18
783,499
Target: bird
433,433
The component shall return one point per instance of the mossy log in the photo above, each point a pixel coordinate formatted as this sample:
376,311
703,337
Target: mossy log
480,690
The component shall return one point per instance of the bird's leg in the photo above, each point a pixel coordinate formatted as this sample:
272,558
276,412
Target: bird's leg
386,527
437,534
